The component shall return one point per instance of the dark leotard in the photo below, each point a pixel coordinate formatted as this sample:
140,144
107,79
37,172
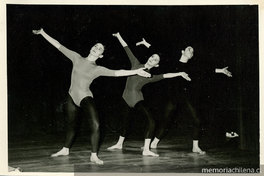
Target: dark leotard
132,93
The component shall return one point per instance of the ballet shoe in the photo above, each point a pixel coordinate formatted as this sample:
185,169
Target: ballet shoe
62,152
149,153
199,151
153,146
96,161
119,147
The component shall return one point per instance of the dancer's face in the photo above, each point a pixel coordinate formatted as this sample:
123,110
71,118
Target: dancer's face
188,52
153,60
97,50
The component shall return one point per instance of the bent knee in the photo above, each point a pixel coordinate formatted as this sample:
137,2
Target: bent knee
95,126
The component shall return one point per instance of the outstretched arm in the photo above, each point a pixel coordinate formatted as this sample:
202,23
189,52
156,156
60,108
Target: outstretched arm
139,72
132,58
72,55
224,71
117,73
51,40
120,39
172,75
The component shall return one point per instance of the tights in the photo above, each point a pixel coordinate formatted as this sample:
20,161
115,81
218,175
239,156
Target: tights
141,108
87,106
170,108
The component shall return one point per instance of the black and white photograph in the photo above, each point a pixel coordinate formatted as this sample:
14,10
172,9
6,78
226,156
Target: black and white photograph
132,88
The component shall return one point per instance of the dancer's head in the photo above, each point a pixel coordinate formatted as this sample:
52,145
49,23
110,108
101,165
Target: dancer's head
97,50
188,52
153,61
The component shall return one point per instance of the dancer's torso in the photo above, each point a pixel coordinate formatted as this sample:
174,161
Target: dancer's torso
132,93
83,74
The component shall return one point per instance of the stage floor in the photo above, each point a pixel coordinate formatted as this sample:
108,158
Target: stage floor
175,156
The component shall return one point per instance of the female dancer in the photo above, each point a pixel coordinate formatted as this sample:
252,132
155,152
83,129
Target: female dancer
80,96
133,97
181,96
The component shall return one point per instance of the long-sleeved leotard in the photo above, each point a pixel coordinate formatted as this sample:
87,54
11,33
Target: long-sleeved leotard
133,96
83,74
132,93
184,95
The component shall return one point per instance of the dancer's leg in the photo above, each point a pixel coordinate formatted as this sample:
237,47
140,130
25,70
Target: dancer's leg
89,110
196,127
163,124
149,128
125,125
71,114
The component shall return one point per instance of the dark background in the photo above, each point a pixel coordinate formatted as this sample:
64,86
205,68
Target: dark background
39,75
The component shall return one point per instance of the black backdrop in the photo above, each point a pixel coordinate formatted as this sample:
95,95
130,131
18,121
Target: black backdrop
39,75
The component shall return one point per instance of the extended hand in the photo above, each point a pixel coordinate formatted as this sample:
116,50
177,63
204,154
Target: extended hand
37,32
143,73
185,76
116,34
226,72
143,42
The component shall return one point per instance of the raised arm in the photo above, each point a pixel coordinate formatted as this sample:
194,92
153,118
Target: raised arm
51,40
224,71
120,39
172,75
132,58
72,55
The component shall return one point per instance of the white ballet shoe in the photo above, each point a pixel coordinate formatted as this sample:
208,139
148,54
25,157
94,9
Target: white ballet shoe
96,160
13,169
198,150
153,146
149,153
117,146
63,152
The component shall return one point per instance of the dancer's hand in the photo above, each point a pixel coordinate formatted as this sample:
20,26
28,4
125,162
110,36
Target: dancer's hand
143,73
37,32
120,39
143,42
116,34
226,72
185,76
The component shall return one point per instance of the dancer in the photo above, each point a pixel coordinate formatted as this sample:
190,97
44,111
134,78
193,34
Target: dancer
80,96
182,96
133,97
